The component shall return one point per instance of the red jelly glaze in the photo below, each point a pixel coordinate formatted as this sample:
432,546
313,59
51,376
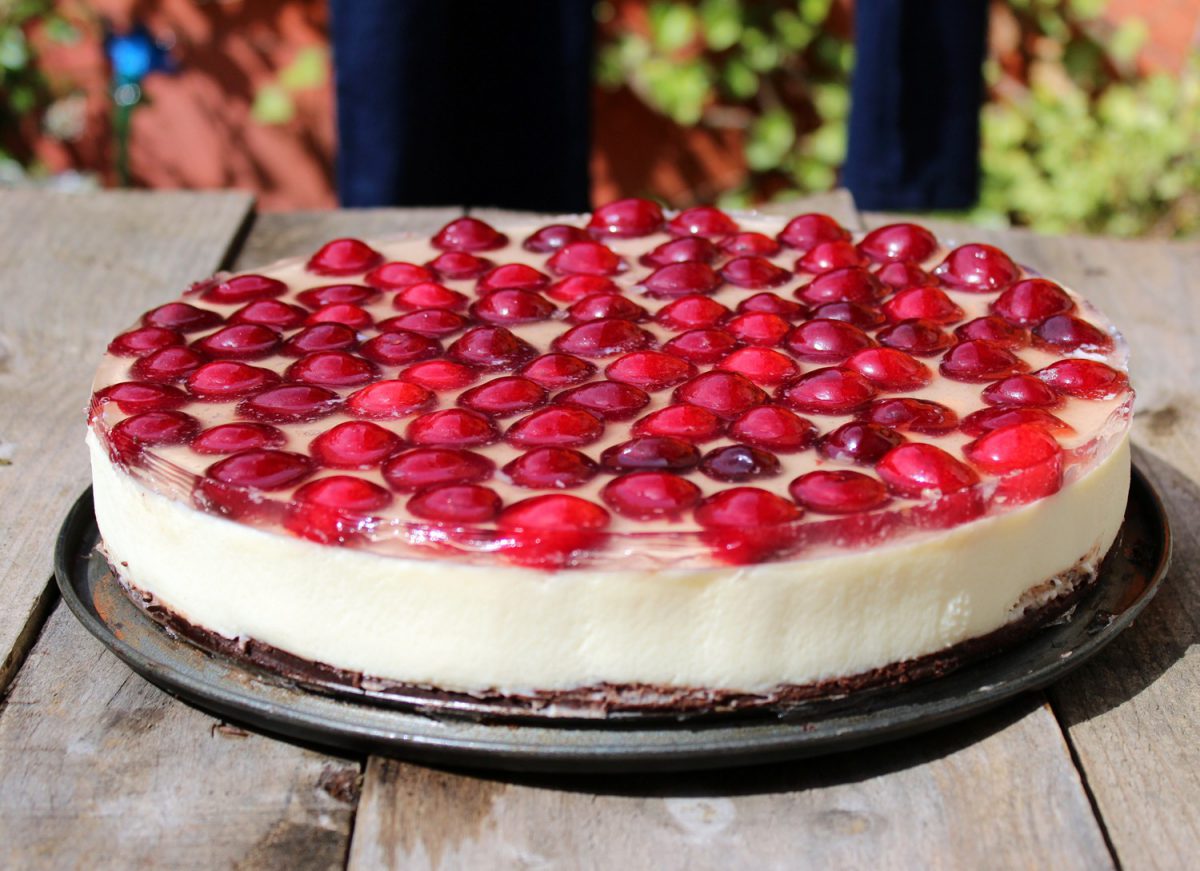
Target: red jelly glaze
748,525
912,470
1068,333
150,429
1027,457
650,495
987,419
1085,379
552,531
135,397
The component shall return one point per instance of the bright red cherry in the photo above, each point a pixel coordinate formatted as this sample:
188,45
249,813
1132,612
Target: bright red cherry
915,469
977,267
927,303
702,346
747,524
388,400
899,274
650,495
332,369
261,469
490,348
608,400
168,364
320,337
555,428
585,258
624,219
181,317
650,370
452,428
290,403
512,307
576,287
502,397
680,279
330,294
858,442
344,257
605,306
551,469
428,294
553,531
826,341
772,303
848,284
1012,447
355,444
134,397
749,245
512,276
229,438
804,232
227,379
1028,391
702,221
865,317
432,322
754,273
396,275
1027,303
1085,379
916,337
353,316
606,338
455,503
977,361
683,421
739,463
994,330
558,370
906,414
239,342
552,237
769,426
441,374
430,467
830,255
1068,333
238,289
685,250
838,492
828,391
150,429
888,369
760,365
332,510
651,452
395,348
910,242
758,328
726,394
143,340
691,312
469,234
459,265
987,419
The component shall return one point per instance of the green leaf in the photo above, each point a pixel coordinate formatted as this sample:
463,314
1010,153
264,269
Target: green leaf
273,105
1128,39
772,136
308,69
740,81
758,51
673,26
14,51
722,22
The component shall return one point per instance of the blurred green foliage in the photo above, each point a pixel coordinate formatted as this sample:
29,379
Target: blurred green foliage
1075,137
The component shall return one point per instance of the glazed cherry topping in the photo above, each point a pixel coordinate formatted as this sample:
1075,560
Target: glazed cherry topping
512,276
804,232
398,347
135,397
702,221
848,284
1029,302
452,428
651,452
988,419
428,294
906,414
750,245
576,287
828,391
388,400
858,442
1084,379
552,531
262,469
227,379
917,337
650,370
994,330
555,428
332,369
927,303
331,510
469,234
976,360
1028,391
739,463
761,365
912,470
355,444
682,421
320,337
865,317
144,340
269,313
899,274
290,403
551,469
456,503
558,370
169,364
1068,333
243,288
680,279
394,276
977,267
603,306
769,426
239,342
230,438
608,400
830,255
345,492
512,307
1009,448
748,524
150,429
772,303
726,394
826,341
838,492
429,467
344,257
458,265
181,317
552,237
490,348
685,250
650,495
898,242
350,315
691,312
319,297
432,322
889,370
758,328
625,219
585,258
754,273
702,346
606,338
441,374
502,397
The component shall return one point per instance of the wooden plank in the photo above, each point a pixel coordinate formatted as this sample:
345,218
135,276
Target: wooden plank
996,792
75,269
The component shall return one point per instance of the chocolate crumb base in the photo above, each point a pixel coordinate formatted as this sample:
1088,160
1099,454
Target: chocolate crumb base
635,703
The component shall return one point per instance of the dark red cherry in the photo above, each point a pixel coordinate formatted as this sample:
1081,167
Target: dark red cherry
702,221
429,467
1027,391
455,503
1069,333
469,234
680,279
650,370
651,452
754,273
396,275
428,294
353,316
169,364
239,342
239,289
977,267
558,370
320,337
432,322
551,469
849,284
726,394
682,421
917,469
319,297
889,370
502,397
691,312
826,341
458,265
838,492
332,510
344,257
865,317
1027,303
1085,379
739,463
702,346
270,313
143,340
441,374
576,287
512,307
552,237
994,330
290,403
398,347
606,338
927,303
512,276
830,255
345,492
229,438
746,525
181,317
685,250
858,442
916,337
227,379
355,444
650,495
608,400
987,419
977,361
828,391
758,328
150,429
605,306
555,427
1011,448
804,232
905,414
585,258
135,397
760,365
452,428
332,369
262,469
899,274
749,245
624,219
552,531
771,303
893,242
388,400
490,348
769,426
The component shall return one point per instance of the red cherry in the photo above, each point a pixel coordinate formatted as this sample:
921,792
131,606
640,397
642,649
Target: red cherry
626,218
893,242
899,274
994,330
987,419
344,257
330,294
760,365
290,403
916,337
858,442
242,288
135,397
826,341
428,295
149,429
1029,302
490,348
144,340
356,444
585,258
320,337
344,491
181,317
926,303
650,495
576,287
680,279
888,369
1085,379
976,361
432,322
512,307
512,276
754,273
702,346
1028,458
739,463
838,492
769,426
605,306
650,370
749,245
1067,333
726,394
747,524
1027,391
608,400
239,342
685,250
229,438
502,397
651,452
771,303
552,237
468,234
552,531
551,469
332,369
804,232
702,221
429,467
830,255
388,400
977,267
398,347
906,414
828,391
691,312
848,284
758,328
226,379
865,317
353,316
261,469
331,510
914,469
555,428
169,364
558,370
605,338
682,422
455,503
452,428
396,275
459,265
441,374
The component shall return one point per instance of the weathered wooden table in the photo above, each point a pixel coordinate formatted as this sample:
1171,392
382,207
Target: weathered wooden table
100,769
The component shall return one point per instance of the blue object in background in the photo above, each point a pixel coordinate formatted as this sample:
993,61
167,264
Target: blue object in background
134,55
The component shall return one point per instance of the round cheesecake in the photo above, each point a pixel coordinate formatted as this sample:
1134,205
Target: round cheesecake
617,461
